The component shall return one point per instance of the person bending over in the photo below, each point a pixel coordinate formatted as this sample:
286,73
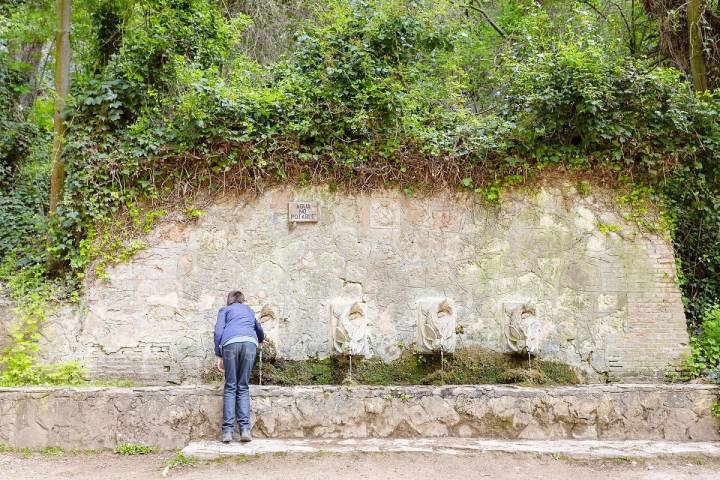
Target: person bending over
237,336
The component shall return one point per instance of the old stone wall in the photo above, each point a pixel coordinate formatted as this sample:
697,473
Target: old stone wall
583,284
169,417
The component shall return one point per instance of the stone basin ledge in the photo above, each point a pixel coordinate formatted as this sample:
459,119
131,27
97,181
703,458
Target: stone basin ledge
171,416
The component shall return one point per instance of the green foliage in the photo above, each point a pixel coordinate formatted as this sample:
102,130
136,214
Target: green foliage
24,452
134,449
15,142
467,366
392,93
30,292
608,228
181,460
705,347
53,451
716,410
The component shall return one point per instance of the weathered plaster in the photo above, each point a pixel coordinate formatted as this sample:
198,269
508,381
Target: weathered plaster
606,303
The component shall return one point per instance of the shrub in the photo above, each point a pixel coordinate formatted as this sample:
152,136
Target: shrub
705,347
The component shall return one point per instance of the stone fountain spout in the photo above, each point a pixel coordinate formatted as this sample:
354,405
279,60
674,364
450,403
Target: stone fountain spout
349,334
522,327
436,325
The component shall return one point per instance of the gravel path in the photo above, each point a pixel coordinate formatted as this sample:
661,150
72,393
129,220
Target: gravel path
382,466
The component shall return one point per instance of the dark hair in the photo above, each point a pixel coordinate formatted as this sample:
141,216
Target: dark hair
236,296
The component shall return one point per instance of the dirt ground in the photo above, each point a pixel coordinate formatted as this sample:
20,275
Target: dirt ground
382,466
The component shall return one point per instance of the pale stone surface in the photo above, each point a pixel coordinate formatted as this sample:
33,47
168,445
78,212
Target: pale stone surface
607,303
458,446
170,417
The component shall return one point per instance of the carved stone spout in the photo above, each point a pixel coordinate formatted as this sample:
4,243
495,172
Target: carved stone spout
349,329
270,322
436,325
522,327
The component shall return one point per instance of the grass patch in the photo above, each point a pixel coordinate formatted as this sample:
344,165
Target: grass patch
76,452
181,460
53,451
241,458
466,366
134,449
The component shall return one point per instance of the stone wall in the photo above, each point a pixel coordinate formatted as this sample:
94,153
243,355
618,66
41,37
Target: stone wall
170,417
600,294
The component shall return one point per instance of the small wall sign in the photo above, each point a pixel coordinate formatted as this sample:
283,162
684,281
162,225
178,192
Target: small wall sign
302,212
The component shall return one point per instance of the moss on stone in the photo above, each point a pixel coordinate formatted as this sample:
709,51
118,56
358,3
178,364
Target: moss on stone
466,366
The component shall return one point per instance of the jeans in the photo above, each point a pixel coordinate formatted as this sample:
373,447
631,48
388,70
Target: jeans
238,359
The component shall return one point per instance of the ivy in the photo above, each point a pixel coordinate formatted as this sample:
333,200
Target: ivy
31,293
705,346
371,93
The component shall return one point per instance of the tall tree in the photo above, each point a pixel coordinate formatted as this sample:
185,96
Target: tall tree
691,43
62,85
697,59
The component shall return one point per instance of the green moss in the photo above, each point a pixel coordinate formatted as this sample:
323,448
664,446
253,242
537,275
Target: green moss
496,424
466,366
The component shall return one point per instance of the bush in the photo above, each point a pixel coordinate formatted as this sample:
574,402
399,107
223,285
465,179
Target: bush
705,347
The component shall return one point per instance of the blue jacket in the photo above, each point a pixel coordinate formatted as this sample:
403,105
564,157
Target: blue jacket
236,320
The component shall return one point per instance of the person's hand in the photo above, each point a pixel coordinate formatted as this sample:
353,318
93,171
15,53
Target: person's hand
220,365
263,344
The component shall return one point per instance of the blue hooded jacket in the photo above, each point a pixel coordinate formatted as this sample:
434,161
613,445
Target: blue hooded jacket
236,320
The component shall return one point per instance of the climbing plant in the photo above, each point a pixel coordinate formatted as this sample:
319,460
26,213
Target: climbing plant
413,94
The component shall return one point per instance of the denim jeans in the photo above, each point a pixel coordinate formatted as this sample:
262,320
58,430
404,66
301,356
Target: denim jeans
238,359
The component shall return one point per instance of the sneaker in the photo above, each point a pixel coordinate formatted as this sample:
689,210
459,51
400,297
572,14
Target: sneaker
227,437
245,435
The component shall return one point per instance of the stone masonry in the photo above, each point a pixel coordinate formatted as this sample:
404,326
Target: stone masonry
169,417
603,292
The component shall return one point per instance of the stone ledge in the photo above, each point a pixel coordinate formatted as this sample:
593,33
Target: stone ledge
169,417
279,390
581,449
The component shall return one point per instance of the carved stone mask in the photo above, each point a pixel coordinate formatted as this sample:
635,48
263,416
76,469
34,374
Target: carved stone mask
436,325
349,333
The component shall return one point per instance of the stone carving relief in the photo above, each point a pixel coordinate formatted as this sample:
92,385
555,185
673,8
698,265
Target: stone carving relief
349,329
436,325
523,331
270,322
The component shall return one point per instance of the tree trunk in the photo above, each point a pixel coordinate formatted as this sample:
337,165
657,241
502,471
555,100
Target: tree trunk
62,85
697,60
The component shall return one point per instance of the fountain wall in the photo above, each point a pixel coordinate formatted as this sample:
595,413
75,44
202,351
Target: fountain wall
547,271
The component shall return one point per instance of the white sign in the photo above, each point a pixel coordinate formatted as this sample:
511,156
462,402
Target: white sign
302,212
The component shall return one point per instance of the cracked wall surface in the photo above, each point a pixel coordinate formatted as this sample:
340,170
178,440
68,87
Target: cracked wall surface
169,417
605,292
